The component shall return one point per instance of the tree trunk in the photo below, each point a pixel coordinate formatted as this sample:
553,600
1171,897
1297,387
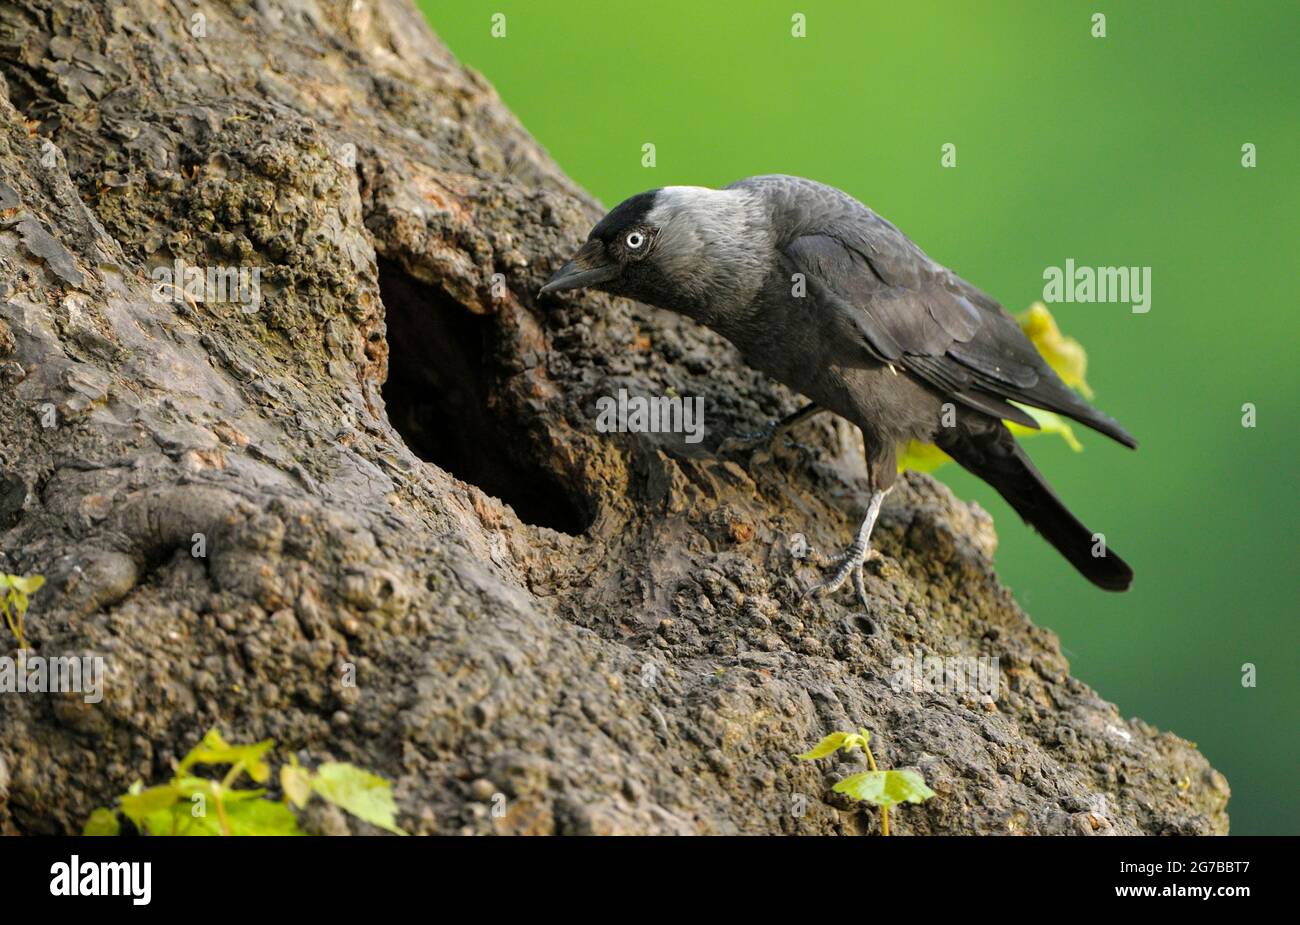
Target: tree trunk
361,505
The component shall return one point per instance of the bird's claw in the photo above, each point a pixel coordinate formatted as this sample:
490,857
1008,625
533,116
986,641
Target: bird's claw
851,564
748,443
764,439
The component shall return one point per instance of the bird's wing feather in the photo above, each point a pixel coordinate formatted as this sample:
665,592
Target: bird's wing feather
914,313
911,317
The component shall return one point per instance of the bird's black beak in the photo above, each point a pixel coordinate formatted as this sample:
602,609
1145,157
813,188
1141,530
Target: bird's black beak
589,267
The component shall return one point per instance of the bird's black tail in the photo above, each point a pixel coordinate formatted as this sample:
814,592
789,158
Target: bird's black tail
995,457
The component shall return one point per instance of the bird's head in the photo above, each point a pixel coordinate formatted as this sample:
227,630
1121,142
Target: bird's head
678,247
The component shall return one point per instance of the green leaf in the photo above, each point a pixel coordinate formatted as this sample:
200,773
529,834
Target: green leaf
867,786
212,790
366,796
213,749
28,584
180,819
1064,354
295,780
102,822
921,457
886,788
139,803
906,787
246,814
260,817
836,740
1048,423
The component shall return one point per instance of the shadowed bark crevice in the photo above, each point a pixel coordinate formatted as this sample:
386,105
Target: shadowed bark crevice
442,396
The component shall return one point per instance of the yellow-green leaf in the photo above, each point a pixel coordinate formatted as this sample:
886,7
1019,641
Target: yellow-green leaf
28,584
102,822
181,820
866,786
886,788
922,457
139,803
366,796
244,815
1049,423
295,780
213,749
260,817
1064,354
907,787
212,790
836,740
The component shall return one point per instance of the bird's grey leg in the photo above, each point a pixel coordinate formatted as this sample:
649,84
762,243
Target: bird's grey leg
856,556
769,432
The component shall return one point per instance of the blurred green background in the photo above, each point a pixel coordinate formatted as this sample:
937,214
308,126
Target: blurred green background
1123,150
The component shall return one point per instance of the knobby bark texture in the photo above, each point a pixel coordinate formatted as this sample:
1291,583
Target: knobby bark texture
417,553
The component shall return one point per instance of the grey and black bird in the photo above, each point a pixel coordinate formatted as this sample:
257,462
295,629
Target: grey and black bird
821,293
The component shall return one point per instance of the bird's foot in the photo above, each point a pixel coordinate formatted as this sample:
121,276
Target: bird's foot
742,444
851,565
765,437
855,557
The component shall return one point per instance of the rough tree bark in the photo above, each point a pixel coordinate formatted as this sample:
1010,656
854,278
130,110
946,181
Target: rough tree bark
394,465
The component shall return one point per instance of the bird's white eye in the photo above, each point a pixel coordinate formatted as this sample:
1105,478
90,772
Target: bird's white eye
635,240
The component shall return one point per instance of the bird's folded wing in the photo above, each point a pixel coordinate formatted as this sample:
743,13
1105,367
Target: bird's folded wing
915,314
911,312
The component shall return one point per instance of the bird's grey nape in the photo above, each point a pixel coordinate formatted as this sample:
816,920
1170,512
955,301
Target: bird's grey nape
713,246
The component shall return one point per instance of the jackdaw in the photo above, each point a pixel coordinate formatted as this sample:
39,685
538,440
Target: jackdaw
823,294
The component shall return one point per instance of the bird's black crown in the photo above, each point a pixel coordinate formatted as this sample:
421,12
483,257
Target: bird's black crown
629,212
